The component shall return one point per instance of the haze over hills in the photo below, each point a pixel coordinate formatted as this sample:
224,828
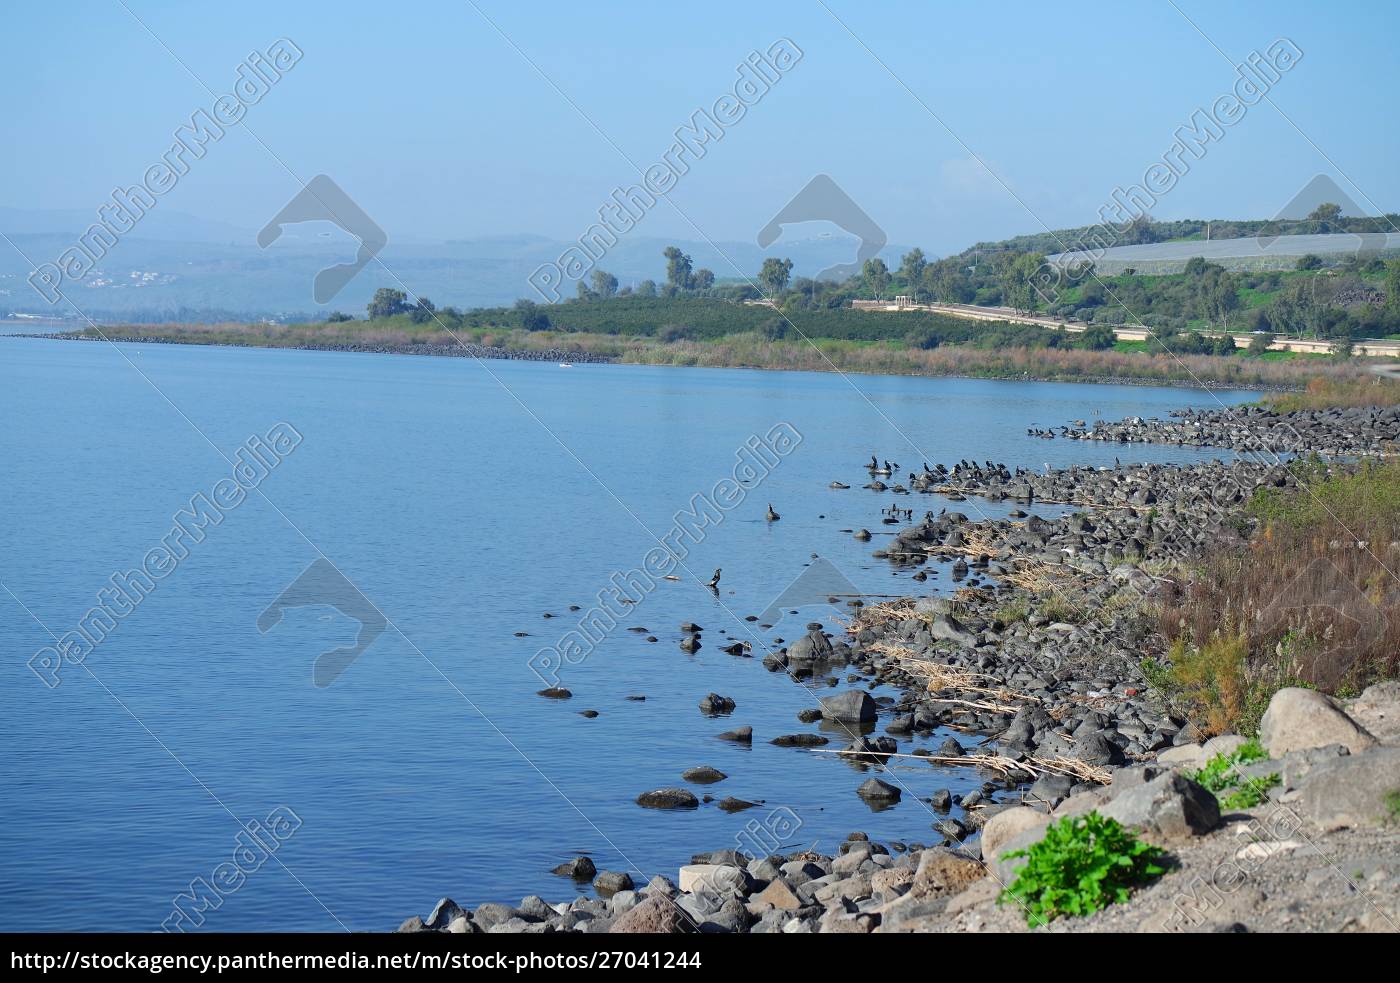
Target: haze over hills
179,265
176,266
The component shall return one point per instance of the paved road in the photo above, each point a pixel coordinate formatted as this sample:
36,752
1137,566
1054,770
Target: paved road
1372,347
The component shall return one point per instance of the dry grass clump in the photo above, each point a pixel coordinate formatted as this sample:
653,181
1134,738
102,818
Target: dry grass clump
1326,392
1312,600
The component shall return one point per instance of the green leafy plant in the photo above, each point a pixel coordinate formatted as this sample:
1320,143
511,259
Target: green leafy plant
1250,793
1392,804
1083,864
1218,774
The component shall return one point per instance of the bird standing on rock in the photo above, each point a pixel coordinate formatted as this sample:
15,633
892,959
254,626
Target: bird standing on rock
772,516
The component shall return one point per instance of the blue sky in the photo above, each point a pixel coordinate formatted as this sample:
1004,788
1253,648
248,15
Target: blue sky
439,128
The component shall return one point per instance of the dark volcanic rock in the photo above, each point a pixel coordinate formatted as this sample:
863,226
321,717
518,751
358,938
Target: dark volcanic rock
668,798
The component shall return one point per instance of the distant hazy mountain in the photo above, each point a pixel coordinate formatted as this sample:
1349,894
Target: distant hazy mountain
174,264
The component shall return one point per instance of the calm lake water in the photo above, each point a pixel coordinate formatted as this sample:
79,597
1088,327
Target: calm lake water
430,767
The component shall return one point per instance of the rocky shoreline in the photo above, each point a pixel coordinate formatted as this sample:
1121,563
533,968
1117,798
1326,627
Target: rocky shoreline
1037,662
1331,433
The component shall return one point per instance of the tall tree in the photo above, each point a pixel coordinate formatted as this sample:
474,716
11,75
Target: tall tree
604,284
774,274
677,268
876,276
704,279
386,303
1017,281
912,266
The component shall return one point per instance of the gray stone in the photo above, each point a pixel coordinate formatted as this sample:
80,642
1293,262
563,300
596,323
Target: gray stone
655,915
1170,806
491,914
668,798
875,790
1356,790
1224,744
1378,710
1304,718
609,882
714,704
1183,755
852,706
800,740
580,869
1297,764
1006,826
444,913
811,647
1097,749
713,879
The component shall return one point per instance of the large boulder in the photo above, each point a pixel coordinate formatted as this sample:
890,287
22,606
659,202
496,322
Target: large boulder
942,872
655,915
1006,826
1097,749
851,707
948,628
1304,718
811,647
1170,806
1356,790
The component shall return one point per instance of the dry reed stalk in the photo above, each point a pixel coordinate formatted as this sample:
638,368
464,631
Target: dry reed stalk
1033,767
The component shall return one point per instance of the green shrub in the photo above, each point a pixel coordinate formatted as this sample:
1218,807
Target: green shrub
1250,793
1083,864
1218,773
